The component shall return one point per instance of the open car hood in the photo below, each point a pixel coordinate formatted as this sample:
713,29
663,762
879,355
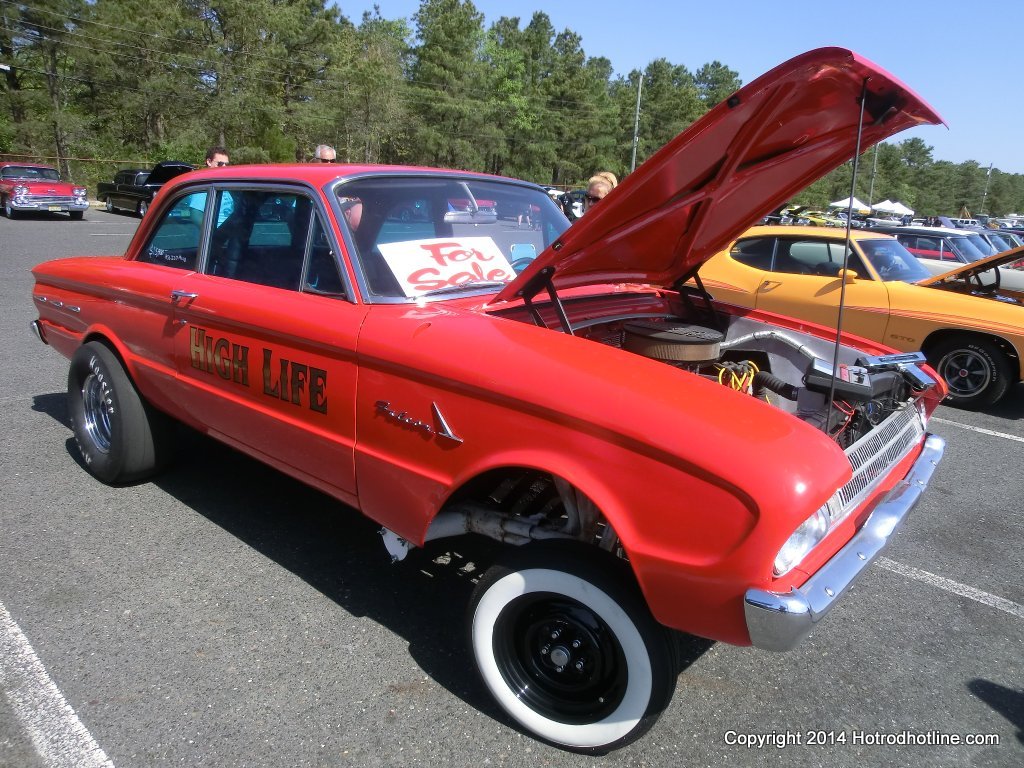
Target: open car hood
964,271
167,170
738,163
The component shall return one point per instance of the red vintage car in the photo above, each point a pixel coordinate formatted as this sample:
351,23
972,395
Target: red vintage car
653,460
33,187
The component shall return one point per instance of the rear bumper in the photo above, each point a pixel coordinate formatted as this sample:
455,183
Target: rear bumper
778,621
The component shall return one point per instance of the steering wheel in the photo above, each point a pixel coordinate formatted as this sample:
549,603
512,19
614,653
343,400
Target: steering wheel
986,287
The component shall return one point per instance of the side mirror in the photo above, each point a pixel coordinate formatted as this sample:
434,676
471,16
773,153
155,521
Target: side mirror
848,275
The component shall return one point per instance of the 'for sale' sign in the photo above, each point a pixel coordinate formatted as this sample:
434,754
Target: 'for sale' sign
426,265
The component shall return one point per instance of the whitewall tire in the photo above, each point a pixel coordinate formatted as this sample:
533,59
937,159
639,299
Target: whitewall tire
567,647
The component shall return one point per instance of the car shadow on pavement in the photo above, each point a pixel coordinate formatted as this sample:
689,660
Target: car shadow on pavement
1006,701
1010,407
54,405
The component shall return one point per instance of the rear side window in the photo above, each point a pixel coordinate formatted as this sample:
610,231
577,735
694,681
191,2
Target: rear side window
175,241
756,252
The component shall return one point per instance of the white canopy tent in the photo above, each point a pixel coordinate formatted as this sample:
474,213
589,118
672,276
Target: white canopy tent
886,206
901,210
858,206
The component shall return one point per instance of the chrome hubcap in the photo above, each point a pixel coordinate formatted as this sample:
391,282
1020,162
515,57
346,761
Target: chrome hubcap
966,372
97,415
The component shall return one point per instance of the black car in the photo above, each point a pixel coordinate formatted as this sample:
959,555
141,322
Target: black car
134,189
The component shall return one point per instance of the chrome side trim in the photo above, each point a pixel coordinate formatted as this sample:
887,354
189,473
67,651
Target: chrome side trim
778,621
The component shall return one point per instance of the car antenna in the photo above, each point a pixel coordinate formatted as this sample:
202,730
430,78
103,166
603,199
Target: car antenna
846,259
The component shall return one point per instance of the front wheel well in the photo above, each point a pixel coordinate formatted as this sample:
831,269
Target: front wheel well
937,338
517,505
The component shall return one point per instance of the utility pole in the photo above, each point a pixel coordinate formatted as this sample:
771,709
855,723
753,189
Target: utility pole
988,178
636,122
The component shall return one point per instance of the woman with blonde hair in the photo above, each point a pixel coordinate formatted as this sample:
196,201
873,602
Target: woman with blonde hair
600,184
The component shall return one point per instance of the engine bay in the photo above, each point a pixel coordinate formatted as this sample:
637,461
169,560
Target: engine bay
787,369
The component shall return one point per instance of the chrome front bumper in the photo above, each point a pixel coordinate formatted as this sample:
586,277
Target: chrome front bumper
778,621
55,205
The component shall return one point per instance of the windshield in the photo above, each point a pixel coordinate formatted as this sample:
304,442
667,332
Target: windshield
965,248
420,236
984,246
30,172
1000,242
892,261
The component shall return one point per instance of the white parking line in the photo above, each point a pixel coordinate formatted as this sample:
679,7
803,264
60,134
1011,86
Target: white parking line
1000,603
982,430
55,730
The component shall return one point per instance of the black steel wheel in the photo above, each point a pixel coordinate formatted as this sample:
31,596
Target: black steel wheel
109,205
120,437
566,645
976,371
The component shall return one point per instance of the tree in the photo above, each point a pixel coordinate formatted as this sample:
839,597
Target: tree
716,82
41,86
448,84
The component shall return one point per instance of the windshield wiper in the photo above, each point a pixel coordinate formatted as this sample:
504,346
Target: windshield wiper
468,285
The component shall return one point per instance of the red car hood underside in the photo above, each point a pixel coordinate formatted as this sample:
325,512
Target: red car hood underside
742,160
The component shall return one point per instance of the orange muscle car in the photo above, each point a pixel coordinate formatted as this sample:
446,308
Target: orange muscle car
971,329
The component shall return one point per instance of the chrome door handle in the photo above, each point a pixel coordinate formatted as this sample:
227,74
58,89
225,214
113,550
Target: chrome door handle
183,296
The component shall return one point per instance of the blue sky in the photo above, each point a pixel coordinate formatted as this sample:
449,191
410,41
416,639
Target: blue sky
963,58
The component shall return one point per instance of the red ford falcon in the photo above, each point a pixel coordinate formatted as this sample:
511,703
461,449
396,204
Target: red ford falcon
655,462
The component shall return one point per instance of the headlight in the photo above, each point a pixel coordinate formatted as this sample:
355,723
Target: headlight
803,540
79,191
20,190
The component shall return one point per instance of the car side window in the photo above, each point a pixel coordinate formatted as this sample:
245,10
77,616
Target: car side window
814,257
260,236
175,240
322,272
756,252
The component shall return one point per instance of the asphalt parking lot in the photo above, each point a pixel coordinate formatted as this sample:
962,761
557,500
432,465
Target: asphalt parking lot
225,615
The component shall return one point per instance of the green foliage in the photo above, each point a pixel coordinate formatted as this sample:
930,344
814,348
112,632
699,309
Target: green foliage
97,85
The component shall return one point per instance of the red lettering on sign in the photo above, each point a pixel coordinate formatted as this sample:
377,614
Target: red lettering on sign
429,279
449,253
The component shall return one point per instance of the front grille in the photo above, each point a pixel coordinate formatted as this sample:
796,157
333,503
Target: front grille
50,199
873,455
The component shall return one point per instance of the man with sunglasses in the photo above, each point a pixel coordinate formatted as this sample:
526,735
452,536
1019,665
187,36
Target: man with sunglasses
217,157
325,154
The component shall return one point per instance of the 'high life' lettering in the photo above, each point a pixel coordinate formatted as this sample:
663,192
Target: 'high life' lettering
294,382
219,356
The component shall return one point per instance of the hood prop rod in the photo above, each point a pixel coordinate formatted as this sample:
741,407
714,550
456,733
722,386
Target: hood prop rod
543,280
846,260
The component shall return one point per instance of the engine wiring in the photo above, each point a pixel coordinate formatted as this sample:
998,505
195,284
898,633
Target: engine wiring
738,375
